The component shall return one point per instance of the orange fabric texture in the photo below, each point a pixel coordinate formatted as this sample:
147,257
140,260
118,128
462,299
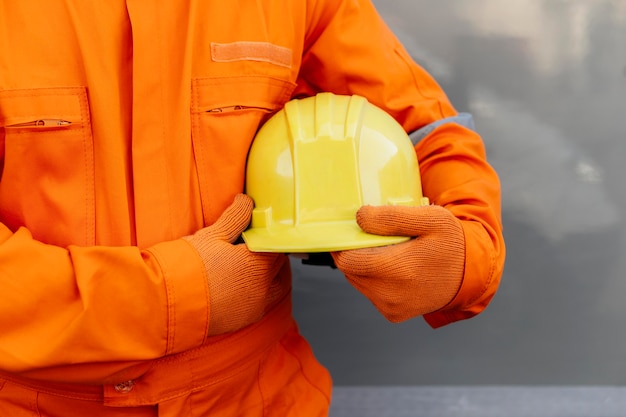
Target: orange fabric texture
265,369
242,285
97,284
412,278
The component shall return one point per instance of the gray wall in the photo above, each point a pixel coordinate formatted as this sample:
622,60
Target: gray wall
546,82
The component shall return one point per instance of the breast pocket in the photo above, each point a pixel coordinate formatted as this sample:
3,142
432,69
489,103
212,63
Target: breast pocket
226,114
47,182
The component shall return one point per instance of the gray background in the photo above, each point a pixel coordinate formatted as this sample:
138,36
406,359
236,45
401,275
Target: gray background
546,83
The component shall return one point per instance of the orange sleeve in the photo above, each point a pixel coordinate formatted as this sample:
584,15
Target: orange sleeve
97,304
456,175
350,50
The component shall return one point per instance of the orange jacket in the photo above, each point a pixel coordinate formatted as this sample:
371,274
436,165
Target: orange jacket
159,102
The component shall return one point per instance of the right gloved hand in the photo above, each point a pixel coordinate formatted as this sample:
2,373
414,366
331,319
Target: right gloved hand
243,285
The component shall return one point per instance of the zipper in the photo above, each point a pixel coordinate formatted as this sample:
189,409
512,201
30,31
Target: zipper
43,123
236,108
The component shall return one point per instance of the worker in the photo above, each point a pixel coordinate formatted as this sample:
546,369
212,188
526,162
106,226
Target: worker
124,132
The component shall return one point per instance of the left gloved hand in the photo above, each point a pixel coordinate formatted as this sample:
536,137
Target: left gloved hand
412,278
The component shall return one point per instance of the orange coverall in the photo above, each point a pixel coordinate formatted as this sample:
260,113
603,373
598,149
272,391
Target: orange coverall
103,306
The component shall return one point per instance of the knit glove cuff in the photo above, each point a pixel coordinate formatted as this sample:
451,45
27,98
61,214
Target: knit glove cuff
242,285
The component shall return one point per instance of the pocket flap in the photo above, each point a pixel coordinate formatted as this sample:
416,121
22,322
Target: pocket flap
246,90
27,105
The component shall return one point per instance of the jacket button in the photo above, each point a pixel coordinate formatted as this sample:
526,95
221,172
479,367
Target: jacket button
124,387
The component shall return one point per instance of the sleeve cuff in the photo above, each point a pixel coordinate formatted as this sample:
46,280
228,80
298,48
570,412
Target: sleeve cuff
480,279
187,294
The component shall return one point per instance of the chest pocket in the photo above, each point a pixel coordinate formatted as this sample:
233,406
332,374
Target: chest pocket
46,152
226,114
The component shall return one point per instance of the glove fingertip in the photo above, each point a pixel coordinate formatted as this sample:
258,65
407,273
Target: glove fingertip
235,219
397,220
366,214
379,220
243,200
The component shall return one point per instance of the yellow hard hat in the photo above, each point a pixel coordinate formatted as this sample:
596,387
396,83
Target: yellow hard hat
315,162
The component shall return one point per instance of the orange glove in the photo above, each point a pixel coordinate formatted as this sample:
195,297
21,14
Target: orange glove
412,278
242,285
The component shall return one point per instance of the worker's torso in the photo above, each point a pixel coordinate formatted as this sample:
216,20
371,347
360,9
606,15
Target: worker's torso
129,122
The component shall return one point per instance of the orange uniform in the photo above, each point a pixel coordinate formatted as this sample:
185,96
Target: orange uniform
124,126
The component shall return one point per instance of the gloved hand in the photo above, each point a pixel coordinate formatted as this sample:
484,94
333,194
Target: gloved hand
242,285
411,278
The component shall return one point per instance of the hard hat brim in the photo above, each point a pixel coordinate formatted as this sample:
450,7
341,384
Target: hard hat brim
313,238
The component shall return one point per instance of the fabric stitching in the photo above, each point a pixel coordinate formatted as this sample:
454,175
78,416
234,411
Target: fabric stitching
89,186
57,393
171,309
